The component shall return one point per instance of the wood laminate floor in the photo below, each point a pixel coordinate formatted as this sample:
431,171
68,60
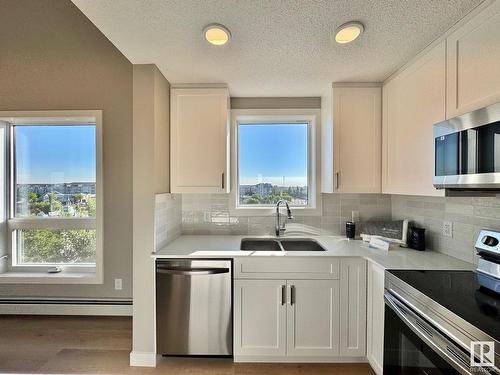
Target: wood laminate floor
101,345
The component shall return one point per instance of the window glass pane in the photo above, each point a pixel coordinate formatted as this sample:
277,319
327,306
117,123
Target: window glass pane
55,171
56,246
273,163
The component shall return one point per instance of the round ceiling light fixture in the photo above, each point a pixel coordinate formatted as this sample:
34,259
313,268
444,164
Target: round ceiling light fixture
348,32
216,34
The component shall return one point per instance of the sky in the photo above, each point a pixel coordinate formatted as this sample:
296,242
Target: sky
269,152
55,154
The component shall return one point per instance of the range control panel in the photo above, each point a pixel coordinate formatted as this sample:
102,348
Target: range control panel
488,242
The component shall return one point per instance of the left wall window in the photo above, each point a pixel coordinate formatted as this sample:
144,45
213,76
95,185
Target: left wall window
54,192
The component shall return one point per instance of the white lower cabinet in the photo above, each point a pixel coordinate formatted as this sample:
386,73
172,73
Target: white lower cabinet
353,307
259,318
313,318
299,319
375,321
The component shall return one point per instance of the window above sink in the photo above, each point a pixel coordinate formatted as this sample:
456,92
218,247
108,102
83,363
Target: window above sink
284,168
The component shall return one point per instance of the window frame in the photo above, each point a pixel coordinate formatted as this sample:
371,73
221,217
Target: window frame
311,117
88,273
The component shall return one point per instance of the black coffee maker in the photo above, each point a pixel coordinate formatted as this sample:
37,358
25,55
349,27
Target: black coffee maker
416,238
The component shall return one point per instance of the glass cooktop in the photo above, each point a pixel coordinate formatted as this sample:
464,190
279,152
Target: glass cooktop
462,292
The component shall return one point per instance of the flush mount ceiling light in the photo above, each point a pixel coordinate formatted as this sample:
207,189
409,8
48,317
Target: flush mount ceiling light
216,34
349,31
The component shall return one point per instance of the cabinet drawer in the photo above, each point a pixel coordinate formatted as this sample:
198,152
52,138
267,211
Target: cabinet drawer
283,268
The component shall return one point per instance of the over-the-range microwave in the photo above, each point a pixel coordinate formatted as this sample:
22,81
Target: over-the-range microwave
467,151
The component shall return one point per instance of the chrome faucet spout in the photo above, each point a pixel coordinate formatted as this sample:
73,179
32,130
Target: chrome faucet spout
281,225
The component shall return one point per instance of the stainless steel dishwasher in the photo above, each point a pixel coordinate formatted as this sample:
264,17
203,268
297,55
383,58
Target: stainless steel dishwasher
194,307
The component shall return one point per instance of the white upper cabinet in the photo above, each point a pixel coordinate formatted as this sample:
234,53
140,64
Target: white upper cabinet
414,100
357,128
199,139
473,68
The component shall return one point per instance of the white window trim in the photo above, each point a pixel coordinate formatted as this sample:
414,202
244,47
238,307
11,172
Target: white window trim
71,274
313,118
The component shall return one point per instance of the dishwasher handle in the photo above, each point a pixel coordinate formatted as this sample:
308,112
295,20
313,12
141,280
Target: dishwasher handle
183,271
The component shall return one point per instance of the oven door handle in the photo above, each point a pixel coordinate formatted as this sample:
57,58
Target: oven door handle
450,352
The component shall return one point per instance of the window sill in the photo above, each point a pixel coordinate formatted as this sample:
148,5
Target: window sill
47,278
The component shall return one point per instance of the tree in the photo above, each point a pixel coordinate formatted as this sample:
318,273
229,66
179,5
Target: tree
33,197
91,206
57,246
54,203
77,198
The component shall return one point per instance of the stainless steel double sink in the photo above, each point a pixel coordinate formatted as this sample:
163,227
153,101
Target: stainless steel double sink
280,244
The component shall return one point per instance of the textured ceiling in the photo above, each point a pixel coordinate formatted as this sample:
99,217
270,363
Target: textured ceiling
278,47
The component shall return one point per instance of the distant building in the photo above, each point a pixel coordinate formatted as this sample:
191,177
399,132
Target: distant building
69,188
298,194
64,193
262,189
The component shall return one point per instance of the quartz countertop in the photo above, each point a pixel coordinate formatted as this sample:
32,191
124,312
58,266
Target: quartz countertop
215,246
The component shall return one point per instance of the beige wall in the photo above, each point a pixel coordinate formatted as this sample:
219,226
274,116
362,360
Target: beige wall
53,57
150,145
162,131
276,103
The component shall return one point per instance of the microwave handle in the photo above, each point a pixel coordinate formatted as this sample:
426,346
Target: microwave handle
433,338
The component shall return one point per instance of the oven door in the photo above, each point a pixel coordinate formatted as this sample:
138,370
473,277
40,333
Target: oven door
413,346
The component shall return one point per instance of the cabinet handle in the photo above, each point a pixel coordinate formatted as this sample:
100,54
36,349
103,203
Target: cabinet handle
337,180
222,178
292,295
283,294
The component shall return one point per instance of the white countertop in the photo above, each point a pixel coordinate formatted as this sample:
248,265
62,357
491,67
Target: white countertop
213,246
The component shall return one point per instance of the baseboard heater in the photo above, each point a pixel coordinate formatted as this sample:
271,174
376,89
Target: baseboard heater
65,306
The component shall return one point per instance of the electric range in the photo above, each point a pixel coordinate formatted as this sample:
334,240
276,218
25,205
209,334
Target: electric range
442,321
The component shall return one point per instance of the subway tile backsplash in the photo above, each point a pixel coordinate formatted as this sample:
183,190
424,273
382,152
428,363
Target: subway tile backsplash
210,214
178,214
168,218
468,214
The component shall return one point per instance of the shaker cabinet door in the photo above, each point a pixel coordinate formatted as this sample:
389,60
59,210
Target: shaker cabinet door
375,317
259,318
199,140
357,129
313,318
353,307
473,71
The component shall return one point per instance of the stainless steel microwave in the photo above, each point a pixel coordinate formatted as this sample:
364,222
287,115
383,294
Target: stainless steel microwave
467,151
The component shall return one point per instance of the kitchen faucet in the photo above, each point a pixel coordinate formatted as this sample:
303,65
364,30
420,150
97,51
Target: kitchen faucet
281,226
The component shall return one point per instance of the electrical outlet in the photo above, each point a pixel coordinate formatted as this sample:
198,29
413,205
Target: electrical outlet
355,216
448,229
118,284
